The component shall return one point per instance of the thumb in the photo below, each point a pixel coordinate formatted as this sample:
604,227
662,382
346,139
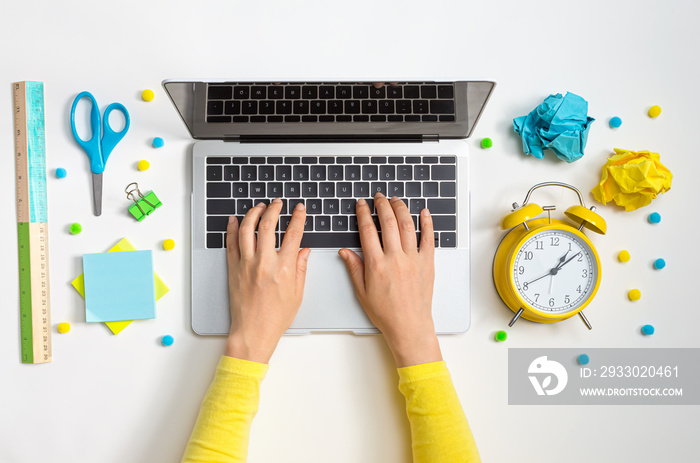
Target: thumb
302,261
356,267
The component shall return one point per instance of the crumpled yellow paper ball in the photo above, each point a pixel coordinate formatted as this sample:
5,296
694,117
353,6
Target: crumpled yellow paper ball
632,179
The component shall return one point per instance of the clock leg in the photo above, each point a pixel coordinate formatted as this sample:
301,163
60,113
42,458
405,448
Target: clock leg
517,315
585,320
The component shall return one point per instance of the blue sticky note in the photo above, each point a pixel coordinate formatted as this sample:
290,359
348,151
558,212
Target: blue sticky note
119,286
560,123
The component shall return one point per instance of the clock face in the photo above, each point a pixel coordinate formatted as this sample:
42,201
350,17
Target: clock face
555,271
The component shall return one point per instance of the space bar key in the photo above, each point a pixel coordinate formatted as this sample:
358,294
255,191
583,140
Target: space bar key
330,240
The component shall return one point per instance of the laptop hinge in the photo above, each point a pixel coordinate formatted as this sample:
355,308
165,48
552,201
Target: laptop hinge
367,138
432,138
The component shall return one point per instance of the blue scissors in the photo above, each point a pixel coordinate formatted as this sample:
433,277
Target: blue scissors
103,141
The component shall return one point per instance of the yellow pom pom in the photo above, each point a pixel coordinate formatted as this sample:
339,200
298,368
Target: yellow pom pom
655,111
63,327
169,245
624,256
148,95
144,165
634,295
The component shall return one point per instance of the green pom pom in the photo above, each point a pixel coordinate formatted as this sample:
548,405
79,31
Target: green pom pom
486,143
75,228
501,336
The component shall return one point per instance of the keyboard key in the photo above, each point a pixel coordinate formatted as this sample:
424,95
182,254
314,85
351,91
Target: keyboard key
258,92
309,160
266,173
343,91
369,107
421,107
442,107
293,203
309,92
309,119
378,159
275,190
240,190
335,107
413,159
318,173
257,190
344,189
326,189
429,118
386,107
326,118
378,187
360,118
301,107
430,189
394,118
395,189
377,118
403,106
360,92
413,189
249,107
322,223
448,159
412,118
218,160
221,206
340,223
430,160
223,92
404,172
318,107
309,189
326,160
292,190
232,107
444,222
301,172
243,206
446,91
283,107
416,205
331,206
377,92
232,173
335,172
258,201
215,108
387,172
448,240
275,92
292,160
257,160
218,190
352,172
215,240
352,107
283,172
214,173
395,159
443,172
361,189
314,206
283,223
447,118
292,92
249,173
448,189
330,240
326,92
411,91
428,91
369,172
421,172
343,160
347,206
241,92
267,107
352,224
394,91
257,119
343,118
442,206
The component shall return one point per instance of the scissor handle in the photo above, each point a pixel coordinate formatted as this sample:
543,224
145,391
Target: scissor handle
110,137
91,146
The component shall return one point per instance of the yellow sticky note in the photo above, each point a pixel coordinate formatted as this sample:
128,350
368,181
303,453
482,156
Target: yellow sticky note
632,179
160,286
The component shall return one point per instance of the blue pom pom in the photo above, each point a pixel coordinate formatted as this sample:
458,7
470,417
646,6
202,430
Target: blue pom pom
167,340
158,142
61,172
659,264
648,330
583,359
654,217
615,122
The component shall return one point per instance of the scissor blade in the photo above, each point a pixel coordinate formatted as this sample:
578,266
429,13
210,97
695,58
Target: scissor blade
97,193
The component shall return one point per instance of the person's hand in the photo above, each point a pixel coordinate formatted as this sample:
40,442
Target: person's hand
266,286
395,282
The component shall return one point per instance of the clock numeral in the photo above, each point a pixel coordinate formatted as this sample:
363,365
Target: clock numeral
528,255
570,249
525,286
539,245
554,241
578,290
521,270
551,302
580,258
537,296
566,299
584,273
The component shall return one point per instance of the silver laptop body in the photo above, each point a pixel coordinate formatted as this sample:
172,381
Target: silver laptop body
329,303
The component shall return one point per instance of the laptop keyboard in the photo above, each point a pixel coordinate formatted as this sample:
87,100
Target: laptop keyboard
329,188
330,102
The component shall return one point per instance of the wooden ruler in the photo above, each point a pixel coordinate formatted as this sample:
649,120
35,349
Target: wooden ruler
32,222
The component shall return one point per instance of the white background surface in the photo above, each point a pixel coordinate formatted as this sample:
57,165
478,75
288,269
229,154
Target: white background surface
334,398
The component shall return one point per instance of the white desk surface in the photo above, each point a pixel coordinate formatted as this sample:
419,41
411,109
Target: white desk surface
334,397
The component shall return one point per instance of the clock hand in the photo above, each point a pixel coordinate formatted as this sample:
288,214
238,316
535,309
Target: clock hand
561,260
570,259
551,284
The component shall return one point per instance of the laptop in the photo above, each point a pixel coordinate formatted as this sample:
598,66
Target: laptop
327,144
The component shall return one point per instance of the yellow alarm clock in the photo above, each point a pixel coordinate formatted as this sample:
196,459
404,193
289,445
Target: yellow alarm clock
546,270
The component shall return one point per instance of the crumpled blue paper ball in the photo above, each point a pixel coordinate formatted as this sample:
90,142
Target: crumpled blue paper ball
560,123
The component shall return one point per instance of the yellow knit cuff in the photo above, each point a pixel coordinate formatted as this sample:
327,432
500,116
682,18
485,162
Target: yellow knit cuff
422,371
242,367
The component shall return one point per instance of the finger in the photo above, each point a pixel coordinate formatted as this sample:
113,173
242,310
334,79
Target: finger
377,84
233,254
427,235
369,240
295,231
356,267
302,262
391,240
268,225
246,232
407,231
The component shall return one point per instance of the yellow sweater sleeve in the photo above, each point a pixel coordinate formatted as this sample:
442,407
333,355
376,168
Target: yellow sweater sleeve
222,430
439,429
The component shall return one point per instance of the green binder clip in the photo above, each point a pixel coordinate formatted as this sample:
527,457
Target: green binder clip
143,205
